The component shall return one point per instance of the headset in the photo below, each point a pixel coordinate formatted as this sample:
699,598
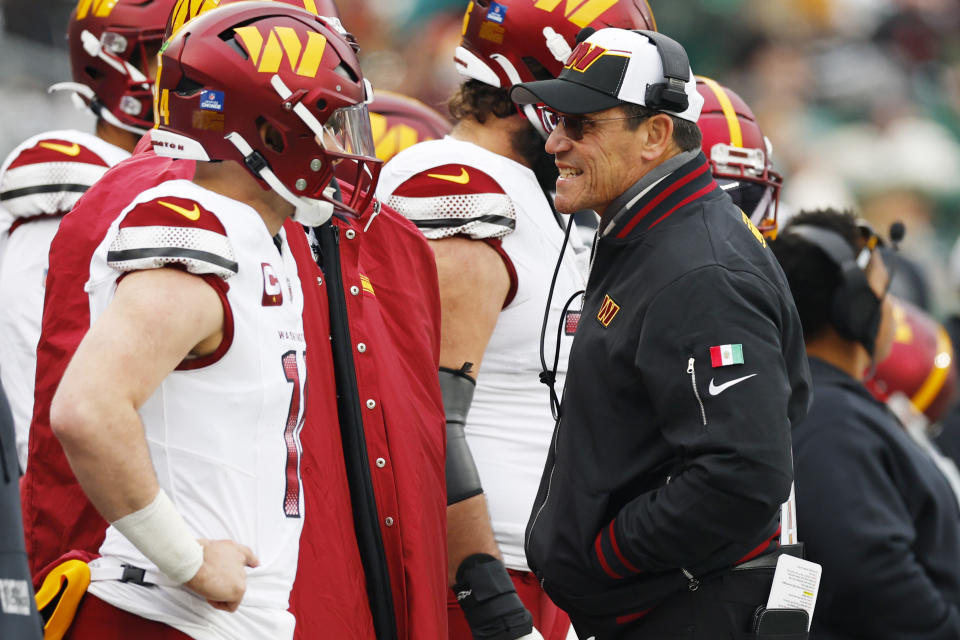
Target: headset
669,95
662,96
855,310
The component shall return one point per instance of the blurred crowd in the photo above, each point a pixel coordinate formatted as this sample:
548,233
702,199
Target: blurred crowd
860,98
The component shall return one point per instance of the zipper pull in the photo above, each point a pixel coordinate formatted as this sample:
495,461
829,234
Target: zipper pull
693,584
690,365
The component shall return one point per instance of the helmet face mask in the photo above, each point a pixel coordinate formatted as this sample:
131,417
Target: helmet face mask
111,48
274,88
756,190
739,155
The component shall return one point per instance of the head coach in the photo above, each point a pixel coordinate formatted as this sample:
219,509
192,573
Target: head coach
658,510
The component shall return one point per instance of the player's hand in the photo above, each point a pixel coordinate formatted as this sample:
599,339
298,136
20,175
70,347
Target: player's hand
222,578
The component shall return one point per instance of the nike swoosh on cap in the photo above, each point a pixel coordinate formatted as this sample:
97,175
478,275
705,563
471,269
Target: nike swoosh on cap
716,390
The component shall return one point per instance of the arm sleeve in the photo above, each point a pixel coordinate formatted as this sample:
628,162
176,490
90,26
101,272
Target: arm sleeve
873,583
731,446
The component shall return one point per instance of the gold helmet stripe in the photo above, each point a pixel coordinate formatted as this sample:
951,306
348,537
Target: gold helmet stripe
928,391
736,134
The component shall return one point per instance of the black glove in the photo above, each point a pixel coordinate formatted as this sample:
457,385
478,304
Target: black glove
489,600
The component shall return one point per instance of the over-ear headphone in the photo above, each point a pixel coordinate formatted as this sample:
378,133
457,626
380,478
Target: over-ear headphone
855,308
662,96
669,95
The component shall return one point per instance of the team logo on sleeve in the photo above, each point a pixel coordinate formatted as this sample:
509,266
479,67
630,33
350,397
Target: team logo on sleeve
608,310
189,214
272,290
72,150
460,178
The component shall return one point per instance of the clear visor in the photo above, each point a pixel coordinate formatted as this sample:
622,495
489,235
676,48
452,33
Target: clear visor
347,132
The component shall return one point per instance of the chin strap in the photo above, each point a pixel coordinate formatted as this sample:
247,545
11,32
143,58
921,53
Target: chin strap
307,211
88,98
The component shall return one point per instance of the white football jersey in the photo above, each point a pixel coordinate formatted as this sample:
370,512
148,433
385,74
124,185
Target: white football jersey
40,181
223,430
450,187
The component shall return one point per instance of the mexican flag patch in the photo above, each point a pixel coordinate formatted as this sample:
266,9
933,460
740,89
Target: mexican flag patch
726,354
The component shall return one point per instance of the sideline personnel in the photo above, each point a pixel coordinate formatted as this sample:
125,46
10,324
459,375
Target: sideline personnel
672,454
874,510
478,195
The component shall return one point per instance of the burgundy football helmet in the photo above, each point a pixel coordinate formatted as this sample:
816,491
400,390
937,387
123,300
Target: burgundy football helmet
506,42
111,42
920,364
398,122
186,10
739,154
277,89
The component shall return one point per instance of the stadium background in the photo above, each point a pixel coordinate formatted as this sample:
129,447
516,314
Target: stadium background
861,98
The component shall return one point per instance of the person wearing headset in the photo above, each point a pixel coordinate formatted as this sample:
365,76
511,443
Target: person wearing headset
658,510
481,196
872,508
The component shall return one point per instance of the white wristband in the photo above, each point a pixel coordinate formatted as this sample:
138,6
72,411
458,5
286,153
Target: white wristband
159,532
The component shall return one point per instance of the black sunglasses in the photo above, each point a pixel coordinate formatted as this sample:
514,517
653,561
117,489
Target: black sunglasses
572,125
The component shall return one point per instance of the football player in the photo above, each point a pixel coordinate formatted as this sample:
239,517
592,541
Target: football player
181,410
381,289
112,47
479,196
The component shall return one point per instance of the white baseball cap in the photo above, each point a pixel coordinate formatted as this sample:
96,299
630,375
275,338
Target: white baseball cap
616,66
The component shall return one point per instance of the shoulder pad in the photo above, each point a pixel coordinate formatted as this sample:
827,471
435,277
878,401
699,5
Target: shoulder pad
49,176
172,231
455,199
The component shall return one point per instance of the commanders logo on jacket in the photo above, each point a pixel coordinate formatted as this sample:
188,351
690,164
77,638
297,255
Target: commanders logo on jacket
608,311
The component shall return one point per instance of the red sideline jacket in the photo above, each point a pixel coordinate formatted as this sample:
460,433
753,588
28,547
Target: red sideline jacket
396,312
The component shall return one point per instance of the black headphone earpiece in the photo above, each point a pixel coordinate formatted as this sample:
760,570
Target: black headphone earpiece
670,95
854,308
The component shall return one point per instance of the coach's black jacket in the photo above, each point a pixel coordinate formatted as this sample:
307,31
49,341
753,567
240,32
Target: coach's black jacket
665,469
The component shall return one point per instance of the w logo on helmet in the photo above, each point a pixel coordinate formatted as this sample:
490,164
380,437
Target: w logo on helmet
579,12
100,8
304,60
583,56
